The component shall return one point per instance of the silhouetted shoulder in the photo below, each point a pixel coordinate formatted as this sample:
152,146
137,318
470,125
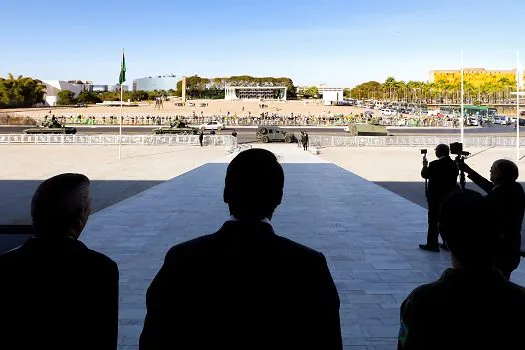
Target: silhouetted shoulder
427,291
74,251
297,249
102,259
517,290
202,246
188,248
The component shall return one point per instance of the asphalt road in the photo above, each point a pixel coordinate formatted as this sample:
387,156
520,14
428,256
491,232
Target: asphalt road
245,135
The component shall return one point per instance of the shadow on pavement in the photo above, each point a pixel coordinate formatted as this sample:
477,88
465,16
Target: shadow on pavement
415,192
16,195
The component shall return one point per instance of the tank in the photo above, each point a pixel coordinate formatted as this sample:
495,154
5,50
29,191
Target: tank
366,130
51,127
176,127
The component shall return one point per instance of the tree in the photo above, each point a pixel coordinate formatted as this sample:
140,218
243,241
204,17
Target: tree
65,97
20,91
109,96
88,97
311,92
138,95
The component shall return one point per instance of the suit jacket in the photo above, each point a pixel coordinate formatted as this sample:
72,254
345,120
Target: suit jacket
508,207
442,175
58,294
239,288
464,310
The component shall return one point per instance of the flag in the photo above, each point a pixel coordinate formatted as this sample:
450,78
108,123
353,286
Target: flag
122,77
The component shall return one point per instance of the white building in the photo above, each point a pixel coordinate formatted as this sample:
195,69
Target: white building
331,96
161,82
255,93
54,86
116,88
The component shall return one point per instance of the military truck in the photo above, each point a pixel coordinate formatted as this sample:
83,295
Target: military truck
51,127
176,127
275,134
366,130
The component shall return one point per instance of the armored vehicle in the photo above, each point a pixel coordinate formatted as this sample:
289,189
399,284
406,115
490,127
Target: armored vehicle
366,130
274,133
51,127
176,127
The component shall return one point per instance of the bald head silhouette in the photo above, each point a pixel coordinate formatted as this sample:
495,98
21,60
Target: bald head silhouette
503,171
61,206
254,185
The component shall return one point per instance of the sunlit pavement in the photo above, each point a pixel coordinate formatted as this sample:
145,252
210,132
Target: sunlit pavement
368,234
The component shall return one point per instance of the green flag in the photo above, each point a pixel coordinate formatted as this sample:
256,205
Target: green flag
122,77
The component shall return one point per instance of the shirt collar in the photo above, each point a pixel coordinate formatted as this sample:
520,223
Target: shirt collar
233,218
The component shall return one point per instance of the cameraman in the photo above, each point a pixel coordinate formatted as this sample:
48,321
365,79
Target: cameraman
507,200
442,177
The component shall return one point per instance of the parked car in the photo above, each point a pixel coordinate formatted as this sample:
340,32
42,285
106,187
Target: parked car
471,121
504,119
212,126
387,112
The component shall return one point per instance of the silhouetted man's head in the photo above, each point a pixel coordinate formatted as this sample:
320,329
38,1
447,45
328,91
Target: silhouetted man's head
503,171
442,150
465,224
254,184
61,206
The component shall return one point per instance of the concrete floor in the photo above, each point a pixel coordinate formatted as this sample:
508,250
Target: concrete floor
368,233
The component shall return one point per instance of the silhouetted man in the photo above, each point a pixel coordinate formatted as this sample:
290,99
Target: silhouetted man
304,140
201,137
442,175
234,133
507,200
56,293
244,286
472,305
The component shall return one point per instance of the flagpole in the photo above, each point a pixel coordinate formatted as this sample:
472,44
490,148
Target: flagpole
462,121
120,117
120,126
518,78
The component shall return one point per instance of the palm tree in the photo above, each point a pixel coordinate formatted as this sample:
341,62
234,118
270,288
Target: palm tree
390,86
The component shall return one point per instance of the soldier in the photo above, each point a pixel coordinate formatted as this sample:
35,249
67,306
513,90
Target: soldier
234,133
201,137
304,140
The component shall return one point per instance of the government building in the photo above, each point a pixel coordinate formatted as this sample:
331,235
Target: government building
474,76
255,93
161,82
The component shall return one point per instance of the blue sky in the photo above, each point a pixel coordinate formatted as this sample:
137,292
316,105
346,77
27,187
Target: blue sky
340,43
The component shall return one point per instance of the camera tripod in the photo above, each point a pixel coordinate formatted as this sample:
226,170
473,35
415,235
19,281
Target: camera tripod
460,159
426,180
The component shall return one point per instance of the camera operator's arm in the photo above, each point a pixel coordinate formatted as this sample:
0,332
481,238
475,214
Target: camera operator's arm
479,180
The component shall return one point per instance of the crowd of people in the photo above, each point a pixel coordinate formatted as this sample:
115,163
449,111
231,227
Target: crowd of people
233,119
247,287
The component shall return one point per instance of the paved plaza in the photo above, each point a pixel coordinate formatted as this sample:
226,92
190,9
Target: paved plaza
368,233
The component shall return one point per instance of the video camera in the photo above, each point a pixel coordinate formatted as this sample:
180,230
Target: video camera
457,149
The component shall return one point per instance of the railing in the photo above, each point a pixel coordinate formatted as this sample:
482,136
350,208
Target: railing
410,141
168,140
230,142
